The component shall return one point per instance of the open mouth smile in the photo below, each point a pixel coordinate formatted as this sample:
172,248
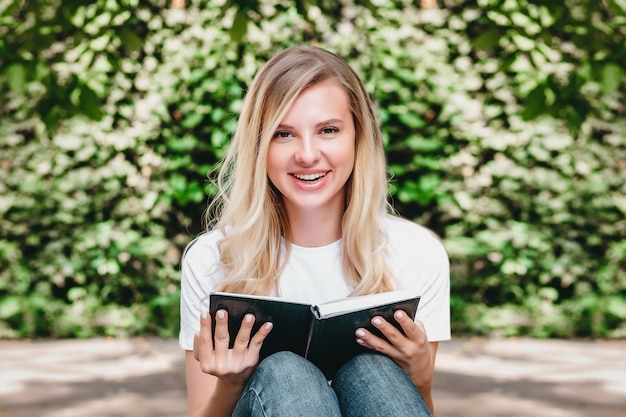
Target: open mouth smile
310,177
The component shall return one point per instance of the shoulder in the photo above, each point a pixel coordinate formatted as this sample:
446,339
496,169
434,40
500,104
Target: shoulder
203,248
200,267
403,231
419,262
416,248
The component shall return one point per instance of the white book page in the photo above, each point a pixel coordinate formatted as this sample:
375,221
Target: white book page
258,297
346,305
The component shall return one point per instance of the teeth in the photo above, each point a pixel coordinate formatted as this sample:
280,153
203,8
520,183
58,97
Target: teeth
309,177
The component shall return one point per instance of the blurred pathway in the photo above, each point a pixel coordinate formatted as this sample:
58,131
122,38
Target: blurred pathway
144,377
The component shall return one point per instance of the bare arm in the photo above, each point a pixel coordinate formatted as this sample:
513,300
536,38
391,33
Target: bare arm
200,386
205,395
426,392
216,375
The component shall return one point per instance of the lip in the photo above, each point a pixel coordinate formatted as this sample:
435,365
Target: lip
309,176
319,178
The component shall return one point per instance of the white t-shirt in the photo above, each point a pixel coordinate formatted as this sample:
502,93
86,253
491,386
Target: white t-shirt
417,259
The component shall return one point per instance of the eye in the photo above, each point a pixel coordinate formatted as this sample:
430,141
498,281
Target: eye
329,131
282,135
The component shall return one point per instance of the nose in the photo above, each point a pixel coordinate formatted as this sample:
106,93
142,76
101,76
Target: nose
308,152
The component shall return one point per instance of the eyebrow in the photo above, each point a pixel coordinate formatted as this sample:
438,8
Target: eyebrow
332,121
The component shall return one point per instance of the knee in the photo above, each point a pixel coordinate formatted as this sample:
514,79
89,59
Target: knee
283,361
375,382
370,369
367,363
287,366
282,358
286,381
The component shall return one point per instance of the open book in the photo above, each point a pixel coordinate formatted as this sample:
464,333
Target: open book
324,333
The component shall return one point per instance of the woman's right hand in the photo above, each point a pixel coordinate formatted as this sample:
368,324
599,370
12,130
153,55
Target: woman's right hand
232,366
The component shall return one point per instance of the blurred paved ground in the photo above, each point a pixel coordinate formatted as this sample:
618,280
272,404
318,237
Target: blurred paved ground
475,377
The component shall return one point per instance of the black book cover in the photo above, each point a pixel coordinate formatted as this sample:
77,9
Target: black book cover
292,321
323,334
333,342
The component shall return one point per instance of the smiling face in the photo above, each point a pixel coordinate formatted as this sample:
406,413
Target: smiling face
311,155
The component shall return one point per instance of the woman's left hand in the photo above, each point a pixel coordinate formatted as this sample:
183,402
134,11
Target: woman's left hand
411,350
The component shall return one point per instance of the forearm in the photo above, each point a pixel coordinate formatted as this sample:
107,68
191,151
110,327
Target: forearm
425,390
426,387
222,402
428,399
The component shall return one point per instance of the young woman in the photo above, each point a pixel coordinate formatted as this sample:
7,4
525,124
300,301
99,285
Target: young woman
302,214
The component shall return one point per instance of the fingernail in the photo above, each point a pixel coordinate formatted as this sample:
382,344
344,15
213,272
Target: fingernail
204,314
377,321
399,314
220,314
268,325
248,318
360,333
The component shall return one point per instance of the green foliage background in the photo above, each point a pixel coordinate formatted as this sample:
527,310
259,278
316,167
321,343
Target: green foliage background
504,124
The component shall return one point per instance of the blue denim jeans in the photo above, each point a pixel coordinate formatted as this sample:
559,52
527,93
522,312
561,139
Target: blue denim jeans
370,385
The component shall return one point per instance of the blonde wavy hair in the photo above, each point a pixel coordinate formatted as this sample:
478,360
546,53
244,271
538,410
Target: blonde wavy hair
248,209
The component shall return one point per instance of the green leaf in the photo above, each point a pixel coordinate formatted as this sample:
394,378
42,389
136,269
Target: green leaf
523,43
422,144
9,307
487,40
611,78
411,119
192,120
89,103
184,144
179,162
240,26
101,42
16,74
546,17
535,103
130,39
617,307
423,191
178,183
429,183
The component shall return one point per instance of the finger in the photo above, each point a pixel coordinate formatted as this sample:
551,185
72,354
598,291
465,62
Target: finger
257,340
373,342
363,342
203,340
363,338
221,337
243,336
413,330
393,335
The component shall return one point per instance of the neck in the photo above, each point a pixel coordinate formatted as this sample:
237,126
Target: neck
314,228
